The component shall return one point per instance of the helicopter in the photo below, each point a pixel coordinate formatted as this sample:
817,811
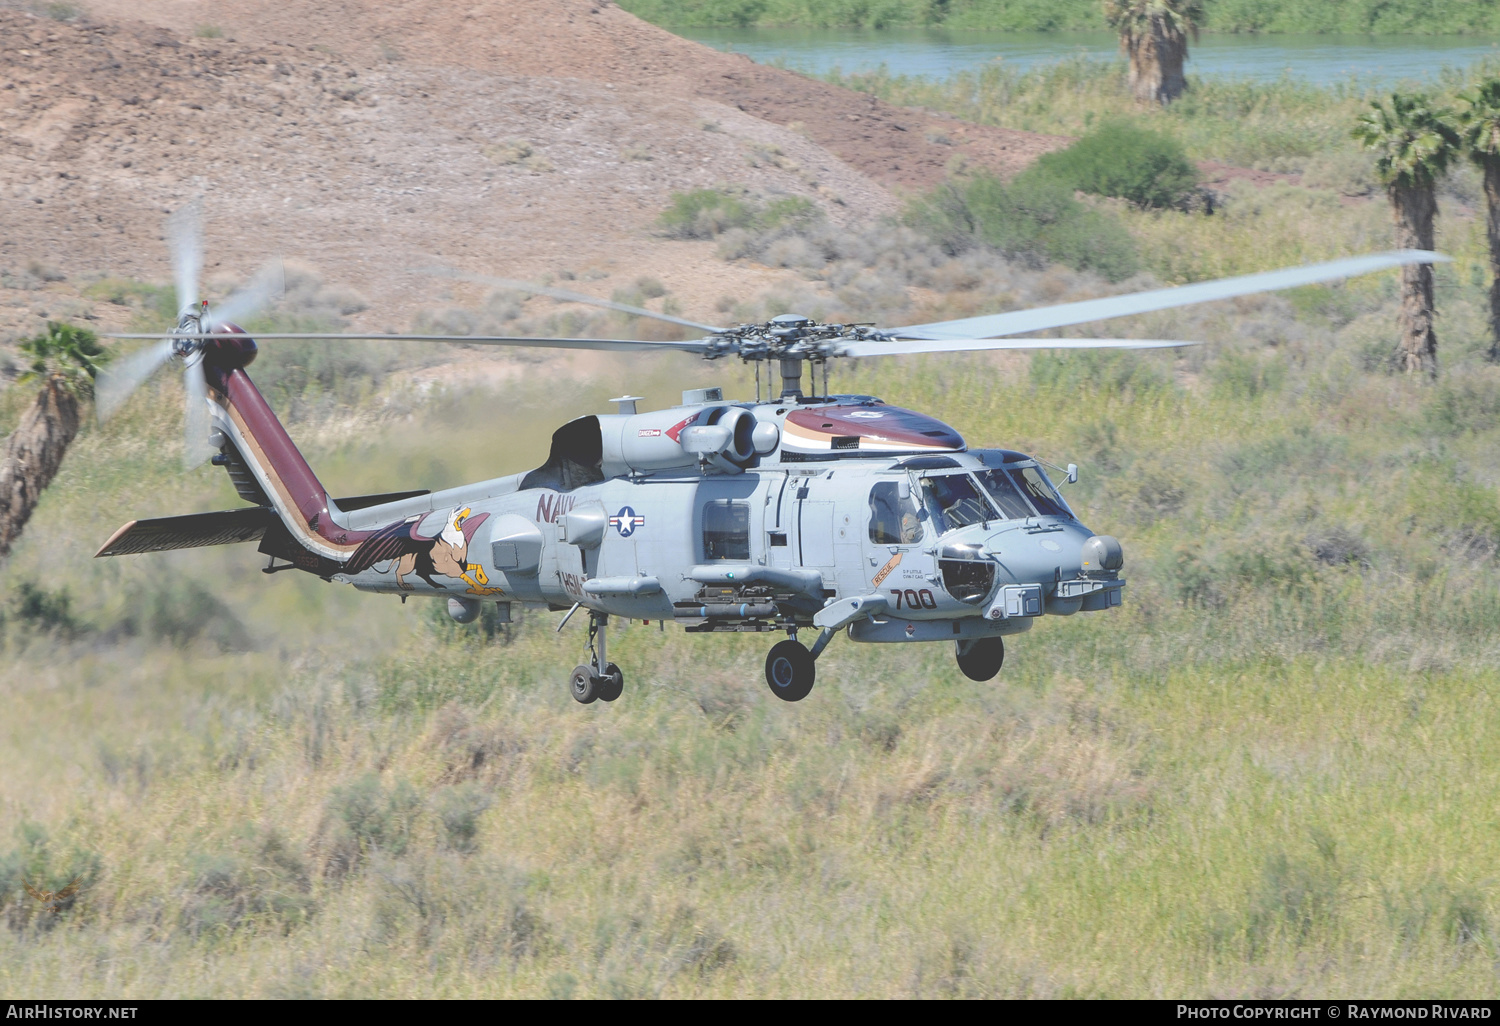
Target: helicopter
824,513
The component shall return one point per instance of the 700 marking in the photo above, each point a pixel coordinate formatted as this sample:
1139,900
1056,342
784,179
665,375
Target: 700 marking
914,599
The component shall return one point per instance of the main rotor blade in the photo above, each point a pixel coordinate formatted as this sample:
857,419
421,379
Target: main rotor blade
268,284
1018,321
565,295
185,240
122,377
617,345
196,423
902,347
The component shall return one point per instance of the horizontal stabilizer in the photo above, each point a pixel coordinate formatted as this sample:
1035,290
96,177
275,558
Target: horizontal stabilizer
191,531
355,502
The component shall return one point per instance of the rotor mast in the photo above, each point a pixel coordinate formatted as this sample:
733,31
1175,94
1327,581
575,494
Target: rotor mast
791,377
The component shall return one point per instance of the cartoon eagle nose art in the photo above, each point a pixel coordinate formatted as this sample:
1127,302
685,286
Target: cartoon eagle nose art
407,552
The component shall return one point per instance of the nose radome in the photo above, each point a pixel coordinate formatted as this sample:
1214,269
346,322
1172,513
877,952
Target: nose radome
1103,552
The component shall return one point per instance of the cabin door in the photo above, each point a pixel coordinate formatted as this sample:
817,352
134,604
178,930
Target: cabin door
829,521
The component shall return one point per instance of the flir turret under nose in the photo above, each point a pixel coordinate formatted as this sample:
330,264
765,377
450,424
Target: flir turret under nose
1102,552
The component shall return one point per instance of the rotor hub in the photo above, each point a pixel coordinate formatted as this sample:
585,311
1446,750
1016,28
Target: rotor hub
190,323
790,337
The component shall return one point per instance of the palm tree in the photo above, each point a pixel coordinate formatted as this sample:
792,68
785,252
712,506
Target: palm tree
65,360
1154,35
1414,140
1479,122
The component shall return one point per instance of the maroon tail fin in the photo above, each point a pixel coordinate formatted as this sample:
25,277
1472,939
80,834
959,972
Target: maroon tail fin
310,517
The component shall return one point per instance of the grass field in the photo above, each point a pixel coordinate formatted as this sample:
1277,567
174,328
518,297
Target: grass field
1270,773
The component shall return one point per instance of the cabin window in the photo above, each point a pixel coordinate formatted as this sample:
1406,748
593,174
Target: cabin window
893,520
726,530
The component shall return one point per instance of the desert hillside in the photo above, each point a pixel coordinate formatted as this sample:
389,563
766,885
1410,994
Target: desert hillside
600,42
528,139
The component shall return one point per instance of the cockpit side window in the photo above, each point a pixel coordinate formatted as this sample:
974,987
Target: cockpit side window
953,501
726,530
1039,490
1003,490
893,520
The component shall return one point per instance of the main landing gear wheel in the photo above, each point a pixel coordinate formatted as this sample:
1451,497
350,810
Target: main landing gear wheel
980,660
790,671
596,680
585,686
612,684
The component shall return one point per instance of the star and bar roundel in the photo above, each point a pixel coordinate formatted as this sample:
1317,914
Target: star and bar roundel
626,521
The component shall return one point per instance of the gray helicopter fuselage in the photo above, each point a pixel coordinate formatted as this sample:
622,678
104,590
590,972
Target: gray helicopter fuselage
768,519
837,513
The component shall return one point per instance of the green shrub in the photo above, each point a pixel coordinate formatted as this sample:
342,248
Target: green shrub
39,861
158,302
1243,376
1097,372
363,817
1458,915
1464,404
709,213
181,613
990,15
1123,160
1269,465
459,809
1445,504
1035,217
61,11
703,214
34,608
1294,897
787,213
1363,17
230,891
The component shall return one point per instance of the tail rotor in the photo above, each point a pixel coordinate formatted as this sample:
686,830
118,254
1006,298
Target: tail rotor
185,240
122,377
268,285
197,424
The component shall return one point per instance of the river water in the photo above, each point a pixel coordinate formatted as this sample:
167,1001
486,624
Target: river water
1376,61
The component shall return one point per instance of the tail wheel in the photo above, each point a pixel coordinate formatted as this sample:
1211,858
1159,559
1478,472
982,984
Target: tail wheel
612,684
980,660
585,686
790,671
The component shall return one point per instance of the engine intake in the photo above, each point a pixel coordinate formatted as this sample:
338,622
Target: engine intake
722,437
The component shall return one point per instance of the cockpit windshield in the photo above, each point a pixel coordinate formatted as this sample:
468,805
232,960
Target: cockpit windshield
1006,495
953,501
1036,487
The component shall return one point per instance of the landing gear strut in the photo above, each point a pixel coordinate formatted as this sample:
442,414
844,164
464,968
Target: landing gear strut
599,680
791,668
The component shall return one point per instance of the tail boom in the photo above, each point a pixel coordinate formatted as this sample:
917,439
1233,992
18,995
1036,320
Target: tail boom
307,512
